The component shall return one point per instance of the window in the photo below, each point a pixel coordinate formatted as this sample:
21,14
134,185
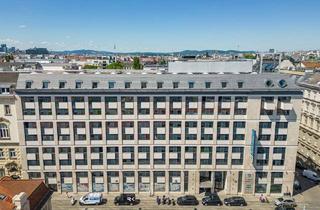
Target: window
276,186
143,85
1,153
127,85
45,84
264,131
262,156
240,84
62,84
278,156
4,131
224,84
239,130
224,105
191,84
261,182
5,90
175,84
28,84
7,110
222,156
208,84
159,85
94,85
111,85
78,84
240,107
237,155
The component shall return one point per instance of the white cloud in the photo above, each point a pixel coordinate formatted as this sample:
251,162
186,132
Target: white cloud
44,42
10,41
22,26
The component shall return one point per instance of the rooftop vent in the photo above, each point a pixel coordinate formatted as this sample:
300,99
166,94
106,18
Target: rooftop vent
128,73
220,73
97,72
113,72
144,73
282,83
159,73
269,83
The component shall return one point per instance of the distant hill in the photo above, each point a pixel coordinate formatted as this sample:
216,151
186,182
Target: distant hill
181,53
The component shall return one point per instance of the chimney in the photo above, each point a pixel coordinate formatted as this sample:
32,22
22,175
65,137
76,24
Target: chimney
21,201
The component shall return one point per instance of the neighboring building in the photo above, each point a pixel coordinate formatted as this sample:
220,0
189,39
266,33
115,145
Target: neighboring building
24,195
309,136
160,133
155,67
309,65
37,51
10,158
199,66
59,66
286,65
3,48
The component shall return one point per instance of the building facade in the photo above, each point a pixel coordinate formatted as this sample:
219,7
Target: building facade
309,135
10,159
160,133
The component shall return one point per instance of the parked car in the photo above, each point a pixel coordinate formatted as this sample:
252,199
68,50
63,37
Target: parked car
91,199
125,199
187,200
235,201
285,202
311,175
211,200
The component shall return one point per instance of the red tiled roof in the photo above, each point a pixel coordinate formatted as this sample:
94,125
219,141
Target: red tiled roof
311,64
36,190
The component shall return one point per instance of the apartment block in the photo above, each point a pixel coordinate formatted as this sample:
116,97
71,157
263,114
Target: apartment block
309,134
9,143
160,133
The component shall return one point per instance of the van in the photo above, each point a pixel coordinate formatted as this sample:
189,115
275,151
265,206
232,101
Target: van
91,199
311,175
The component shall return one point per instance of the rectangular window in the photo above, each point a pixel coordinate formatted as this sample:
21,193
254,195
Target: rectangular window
224,84
45,84
28,84
239,130
224,105
191,84
237,156
62,84
223,130
264,131
143,85
262,158
12,154
94,85
78,84
7,110
222,156
111,85
175,85
208,84
127,85
159,85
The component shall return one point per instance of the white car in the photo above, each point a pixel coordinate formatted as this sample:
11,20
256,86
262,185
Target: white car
311,175
91,199
285,202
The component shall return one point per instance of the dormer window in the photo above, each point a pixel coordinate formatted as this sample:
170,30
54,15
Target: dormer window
240,84
111,85
224,84
5,90
127,85
143,85
28,84
62,84
208,84
175,84
78,84
94,85
159,85
191,84
45,84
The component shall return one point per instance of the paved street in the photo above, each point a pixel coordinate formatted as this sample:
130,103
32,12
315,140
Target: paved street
308,197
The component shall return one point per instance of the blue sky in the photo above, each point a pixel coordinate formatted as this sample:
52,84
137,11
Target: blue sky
161,25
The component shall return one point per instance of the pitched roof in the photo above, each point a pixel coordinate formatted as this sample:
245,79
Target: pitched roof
38,193
311,64
310,81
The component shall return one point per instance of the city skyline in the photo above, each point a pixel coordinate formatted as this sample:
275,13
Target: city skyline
161,26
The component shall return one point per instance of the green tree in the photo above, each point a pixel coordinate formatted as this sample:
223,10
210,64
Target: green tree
115,65
136,63
8,57
88,66
249,56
